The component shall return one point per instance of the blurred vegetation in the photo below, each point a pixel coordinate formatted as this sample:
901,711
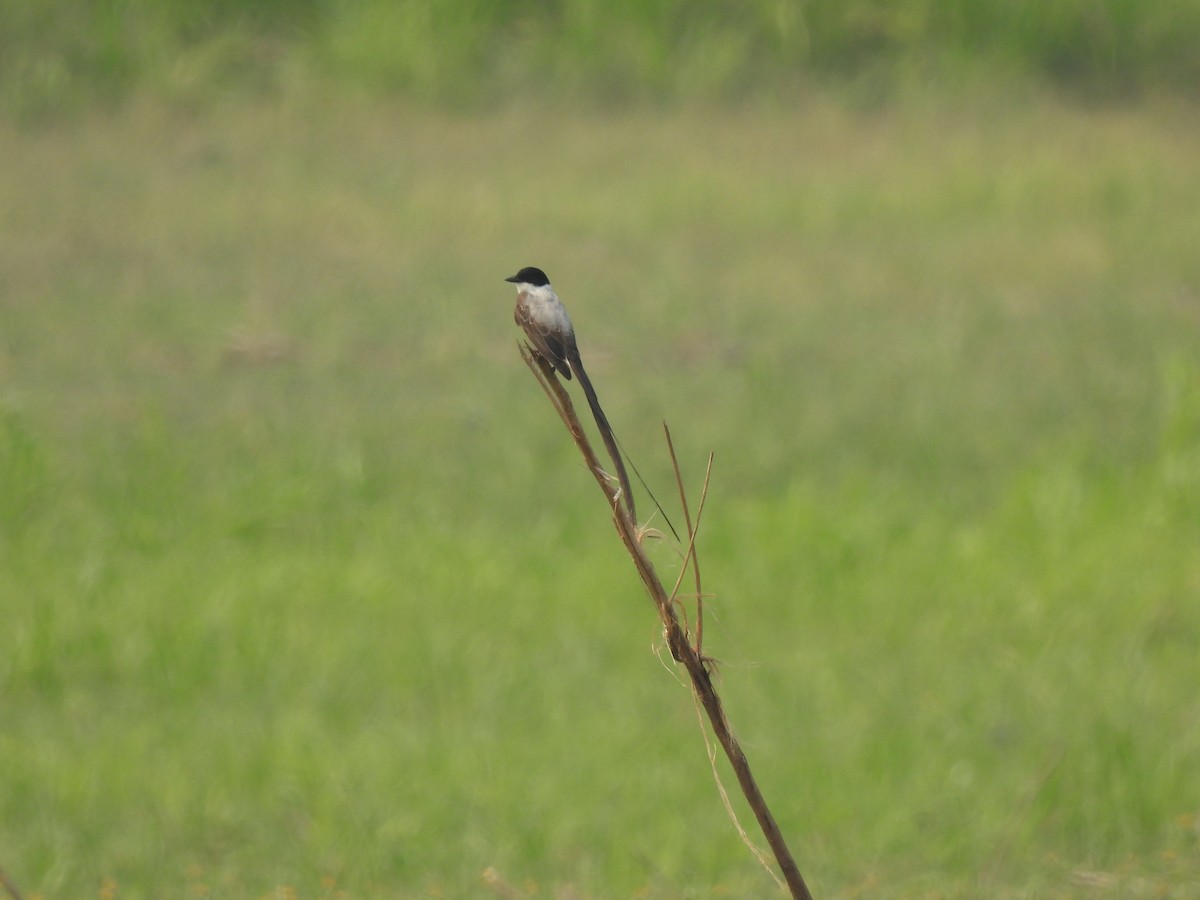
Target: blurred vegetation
63,54
304,593
281,612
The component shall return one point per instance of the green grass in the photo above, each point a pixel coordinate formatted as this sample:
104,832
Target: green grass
63,56
303,588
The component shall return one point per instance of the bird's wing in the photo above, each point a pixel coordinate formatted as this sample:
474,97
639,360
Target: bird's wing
548,345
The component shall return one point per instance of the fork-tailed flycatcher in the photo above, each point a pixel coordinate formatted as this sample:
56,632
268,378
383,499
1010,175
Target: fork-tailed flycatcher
545,322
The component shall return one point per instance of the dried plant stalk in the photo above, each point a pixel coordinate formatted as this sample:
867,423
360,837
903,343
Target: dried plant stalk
9,887
696,664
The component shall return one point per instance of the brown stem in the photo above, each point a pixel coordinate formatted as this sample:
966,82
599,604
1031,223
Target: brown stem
676,636
8,885
691,532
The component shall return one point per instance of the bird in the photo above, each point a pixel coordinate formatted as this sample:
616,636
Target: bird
546,324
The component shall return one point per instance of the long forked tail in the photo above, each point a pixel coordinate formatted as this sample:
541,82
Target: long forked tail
606,432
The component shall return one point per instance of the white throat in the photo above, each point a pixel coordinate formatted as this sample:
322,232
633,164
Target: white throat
545,307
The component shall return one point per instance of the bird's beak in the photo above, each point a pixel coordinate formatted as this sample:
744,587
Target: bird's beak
512,278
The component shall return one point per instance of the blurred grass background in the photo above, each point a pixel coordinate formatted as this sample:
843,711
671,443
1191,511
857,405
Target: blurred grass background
476,52
302,590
